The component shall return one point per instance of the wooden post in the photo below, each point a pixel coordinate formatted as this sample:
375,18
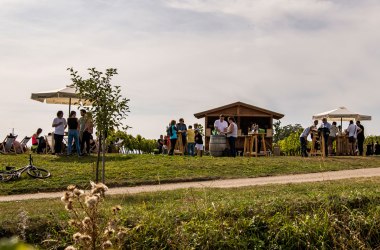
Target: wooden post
178,149
248,145
263,143
206,142
314,151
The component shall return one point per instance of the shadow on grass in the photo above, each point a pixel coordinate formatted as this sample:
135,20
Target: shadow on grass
91,158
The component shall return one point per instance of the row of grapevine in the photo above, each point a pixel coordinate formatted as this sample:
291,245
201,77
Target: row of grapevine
291,144
372,139
120,140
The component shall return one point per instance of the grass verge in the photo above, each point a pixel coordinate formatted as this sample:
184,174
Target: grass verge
132,170
341,214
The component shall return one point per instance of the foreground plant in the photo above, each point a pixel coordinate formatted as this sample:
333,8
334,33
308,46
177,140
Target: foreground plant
92,231
14,243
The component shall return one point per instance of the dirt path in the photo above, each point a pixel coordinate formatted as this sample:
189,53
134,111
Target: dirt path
284,179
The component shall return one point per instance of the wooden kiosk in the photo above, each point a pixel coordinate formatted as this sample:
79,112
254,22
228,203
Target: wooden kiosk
245,115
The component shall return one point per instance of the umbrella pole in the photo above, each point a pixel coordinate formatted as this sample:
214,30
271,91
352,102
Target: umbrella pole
69,106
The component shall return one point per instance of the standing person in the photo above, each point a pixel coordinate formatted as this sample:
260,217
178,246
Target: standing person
325,129
82,123
190,141
220,125
377,148
59,125
198,142
303,139
181,127
333,133
360,137
352,132
87,133
73,125
195,126
232,135
172,131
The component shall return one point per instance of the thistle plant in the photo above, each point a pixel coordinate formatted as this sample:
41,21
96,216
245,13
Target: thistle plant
92,231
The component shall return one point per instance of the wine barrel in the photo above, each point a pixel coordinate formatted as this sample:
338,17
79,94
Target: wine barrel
217,145
276,151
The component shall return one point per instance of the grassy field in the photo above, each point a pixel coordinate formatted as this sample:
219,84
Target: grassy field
132,170
341,214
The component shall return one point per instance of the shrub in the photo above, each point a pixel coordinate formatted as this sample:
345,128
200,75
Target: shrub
91,230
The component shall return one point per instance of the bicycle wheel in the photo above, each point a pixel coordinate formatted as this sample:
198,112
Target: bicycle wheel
39,173
6,177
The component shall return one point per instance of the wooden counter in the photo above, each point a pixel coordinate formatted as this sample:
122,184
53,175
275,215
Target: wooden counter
342,145
251,143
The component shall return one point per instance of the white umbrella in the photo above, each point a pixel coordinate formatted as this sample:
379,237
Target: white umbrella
341,114
66,95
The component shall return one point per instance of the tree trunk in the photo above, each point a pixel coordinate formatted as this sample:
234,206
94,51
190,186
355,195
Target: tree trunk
98,158
104,161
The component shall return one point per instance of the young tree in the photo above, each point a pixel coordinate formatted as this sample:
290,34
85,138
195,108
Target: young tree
108,107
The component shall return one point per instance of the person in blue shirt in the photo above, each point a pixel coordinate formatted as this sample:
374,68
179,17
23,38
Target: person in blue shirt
172,132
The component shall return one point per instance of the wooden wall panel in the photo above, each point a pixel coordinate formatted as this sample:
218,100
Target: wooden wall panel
244,111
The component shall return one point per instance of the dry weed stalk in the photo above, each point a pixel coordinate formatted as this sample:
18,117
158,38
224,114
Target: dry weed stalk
92,231
22,225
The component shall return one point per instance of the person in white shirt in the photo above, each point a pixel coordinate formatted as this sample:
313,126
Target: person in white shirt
352,132
303,138
332,136
59,125
232,135
220,125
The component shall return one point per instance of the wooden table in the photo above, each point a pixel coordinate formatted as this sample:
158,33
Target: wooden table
251,142
342,145
317,138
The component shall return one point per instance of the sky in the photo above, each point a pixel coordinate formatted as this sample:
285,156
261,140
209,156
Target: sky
176,58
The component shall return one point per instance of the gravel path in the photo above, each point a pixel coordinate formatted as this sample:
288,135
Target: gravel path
284,179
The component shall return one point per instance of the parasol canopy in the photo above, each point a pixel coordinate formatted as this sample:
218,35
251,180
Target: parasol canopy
66,95
342,114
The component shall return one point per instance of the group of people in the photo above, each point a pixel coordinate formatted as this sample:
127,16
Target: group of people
192,138
230,130
329,132
79,130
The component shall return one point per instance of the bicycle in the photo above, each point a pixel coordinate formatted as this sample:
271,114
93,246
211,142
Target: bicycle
12,174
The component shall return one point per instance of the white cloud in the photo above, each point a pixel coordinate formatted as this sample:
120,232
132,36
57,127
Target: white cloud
176,58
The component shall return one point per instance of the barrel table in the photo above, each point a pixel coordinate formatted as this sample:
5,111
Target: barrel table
218,143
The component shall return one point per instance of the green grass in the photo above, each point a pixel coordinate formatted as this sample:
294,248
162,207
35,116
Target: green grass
341,214
132,170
